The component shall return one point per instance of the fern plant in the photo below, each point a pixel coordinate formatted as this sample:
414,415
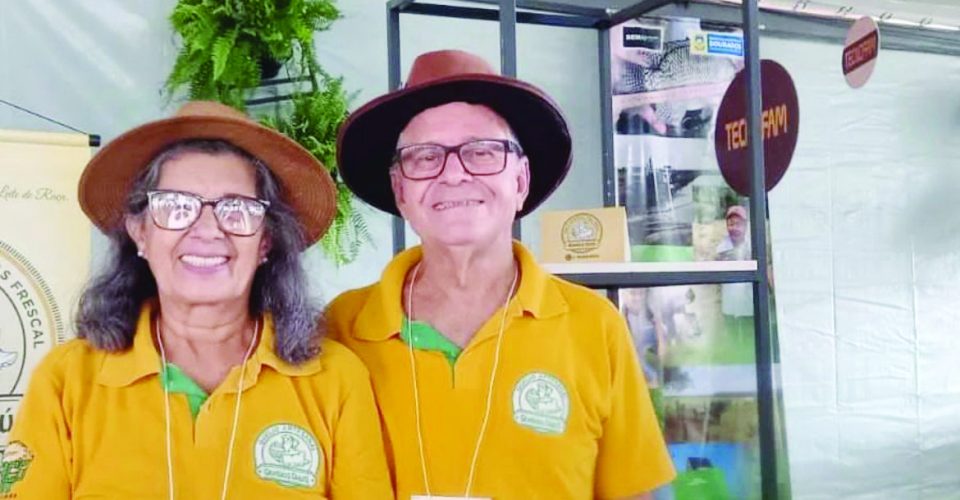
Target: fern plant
226,41
313,121
224,45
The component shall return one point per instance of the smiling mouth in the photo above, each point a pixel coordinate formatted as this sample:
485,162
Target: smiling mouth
203,261
447,205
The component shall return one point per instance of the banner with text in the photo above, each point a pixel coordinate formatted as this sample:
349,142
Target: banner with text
44,253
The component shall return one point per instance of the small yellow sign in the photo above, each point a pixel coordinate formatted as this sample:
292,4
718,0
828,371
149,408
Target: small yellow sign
698,43
594,235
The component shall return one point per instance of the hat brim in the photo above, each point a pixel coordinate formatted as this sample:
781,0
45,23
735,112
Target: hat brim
368,138
307,186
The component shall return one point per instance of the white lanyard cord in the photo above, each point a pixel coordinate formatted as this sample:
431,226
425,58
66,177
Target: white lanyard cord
493,376
236,411
413,369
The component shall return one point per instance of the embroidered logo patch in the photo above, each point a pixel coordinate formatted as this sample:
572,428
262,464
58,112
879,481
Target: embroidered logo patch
13,465
287,455
540,402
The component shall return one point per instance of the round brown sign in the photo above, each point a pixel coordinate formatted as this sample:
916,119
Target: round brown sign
780,123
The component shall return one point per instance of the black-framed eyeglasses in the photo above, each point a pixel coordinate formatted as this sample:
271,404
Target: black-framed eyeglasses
178,210
480,157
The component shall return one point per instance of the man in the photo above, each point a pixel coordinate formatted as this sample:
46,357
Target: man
736,299
735,245
493,378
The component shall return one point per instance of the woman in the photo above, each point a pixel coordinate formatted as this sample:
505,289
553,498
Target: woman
199,371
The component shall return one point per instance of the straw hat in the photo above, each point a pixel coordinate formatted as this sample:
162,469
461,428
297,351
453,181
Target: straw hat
306,184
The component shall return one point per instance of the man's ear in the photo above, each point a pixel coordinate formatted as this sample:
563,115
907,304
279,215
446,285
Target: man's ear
523,182
396,185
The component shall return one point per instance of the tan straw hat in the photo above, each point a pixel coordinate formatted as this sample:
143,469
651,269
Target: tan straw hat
306,184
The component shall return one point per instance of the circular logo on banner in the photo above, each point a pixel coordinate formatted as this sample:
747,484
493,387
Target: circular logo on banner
860,51
287,455
582,233
29,321
780,124
540,402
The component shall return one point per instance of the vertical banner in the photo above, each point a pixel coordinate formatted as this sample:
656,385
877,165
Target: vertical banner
696,343
668,79
44,253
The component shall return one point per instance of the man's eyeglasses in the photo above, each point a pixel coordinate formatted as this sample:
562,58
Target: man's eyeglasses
481,157
178,210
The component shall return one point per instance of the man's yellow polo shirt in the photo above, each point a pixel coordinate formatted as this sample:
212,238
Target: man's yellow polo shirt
91,425
571,414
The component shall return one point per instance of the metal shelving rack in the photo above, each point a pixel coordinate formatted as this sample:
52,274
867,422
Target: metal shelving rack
510,12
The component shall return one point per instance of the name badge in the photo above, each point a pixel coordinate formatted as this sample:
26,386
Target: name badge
438,497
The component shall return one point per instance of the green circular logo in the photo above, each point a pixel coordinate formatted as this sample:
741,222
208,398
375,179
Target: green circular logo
541,403
287,455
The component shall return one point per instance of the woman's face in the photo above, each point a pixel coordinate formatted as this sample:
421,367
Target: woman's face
202,265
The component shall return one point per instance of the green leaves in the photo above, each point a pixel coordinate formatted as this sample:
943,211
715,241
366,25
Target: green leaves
223,42
313,120
221,51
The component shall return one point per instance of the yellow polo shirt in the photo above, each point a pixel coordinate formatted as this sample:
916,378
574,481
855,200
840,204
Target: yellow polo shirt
571,414
91,425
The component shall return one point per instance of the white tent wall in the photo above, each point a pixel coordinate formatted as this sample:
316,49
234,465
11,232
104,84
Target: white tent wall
866,241
864,224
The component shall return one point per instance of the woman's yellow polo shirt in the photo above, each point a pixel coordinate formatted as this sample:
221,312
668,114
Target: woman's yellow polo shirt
91,425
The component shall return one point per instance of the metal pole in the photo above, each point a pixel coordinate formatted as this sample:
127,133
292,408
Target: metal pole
508,58
554,7
508,38
606,120
393,68
636,10
758,223
524,17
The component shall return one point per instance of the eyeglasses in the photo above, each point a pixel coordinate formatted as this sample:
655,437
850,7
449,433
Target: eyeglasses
178,210
481,157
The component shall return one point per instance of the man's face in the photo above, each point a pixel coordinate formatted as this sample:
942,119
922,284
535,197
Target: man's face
458,208
736,228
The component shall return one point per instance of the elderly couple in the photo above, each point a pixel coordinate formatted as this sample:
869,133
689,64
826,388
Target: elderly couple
203,370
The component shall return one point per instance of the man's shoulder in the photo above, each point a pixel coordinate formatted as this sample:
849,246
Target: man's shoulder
343,309
583,300
337,357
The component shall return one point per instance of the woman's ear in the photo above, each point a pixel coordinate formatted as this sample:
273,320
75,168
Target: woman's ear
266,244
135,230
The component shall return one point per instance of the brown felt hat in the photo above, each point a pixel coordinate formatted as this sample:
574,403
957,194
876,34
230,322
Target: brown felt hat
367,140
306,184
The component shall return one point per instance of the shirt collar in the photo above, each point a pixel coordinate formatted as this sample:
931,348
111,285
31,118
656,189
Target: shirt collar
266,353
126,367
381,315
142,359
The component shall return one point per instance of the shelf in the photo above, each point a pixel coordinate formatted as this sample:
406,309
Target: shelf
636,274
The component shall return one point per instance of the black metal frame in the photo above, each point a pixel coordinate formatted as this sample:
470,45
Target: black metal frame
509,13
659,278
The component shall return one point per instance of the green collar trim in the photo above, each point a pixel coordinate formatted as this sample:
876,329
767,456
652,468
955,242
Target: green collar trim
180,382
427,338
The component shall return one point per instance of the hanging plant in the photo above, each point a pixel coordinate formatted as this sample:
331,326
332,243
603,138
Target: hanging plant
229,46
313,121
226,43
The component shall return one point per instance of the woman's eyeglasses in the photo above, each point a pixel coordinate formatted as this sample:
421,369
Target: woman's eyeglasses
177,210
